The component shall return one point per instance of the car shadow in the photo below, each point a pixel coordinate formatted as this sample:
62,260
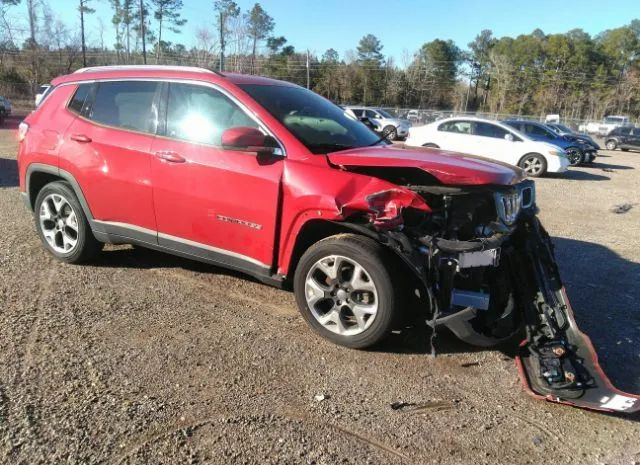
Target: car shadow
601,285
576,175
597,165
8,173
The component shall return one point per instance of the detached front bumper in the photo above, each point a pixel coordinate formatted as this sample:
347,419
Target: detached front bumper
556,361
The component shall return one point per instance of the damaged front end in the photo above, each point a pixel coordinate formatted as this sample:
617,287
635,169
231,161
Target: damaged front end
488,271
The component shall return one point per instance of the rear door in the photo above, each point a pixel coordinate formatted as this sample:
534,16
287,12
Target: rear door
109,154
491,141
456,135
634,138
209,201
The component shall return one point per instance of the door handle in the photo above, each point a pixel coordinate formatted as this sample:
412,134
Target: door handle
168,155
80,138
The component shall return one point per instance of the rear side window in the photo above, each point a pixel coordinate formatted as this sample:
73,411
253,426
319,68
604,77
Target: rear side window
127,105
490,130
201,114
79,98
460,127
357,112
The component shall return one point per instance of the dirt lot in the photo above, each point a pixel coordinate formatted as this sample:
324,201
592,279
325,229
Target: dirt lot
145,358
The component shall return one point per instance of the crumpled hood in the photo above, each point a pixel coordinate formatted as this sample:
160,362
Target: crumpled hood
447,167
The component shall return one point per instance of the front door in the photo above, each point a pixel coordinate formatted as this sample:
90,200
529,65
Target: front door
210,202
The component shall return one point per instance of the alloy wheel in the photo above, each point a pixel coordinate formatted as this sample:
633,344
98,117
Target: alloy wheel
59,223
574,156
611,145
533,166
341,295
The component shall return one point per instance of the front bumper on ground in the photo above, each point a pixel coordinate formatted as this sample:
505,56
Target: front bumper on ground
556,361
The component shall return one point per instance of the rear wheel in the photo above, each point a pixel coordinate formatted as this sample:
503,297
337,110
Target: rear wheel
62,226
611,144
346,292
574,155
533,164
625,150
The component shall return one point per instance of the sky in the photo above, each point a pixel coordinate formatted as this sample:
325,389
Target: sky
401,25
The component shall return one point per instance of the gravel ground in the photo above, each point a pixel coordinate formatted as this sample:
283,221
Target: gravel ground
143,358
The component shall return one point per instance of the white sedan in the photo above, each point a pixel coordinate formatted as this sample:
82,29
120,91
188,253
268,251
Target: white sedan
491,139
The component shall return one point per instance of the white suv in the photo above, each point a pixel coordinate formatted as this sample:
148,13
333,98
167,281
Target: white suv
385,123
493,140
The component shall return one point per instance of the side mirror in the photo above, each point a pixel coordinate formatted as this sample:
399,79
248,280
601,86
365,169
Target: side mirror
246,139
508,136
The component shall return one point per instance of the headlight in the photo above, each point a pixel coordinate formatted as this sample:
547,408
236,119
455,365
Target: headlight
558,153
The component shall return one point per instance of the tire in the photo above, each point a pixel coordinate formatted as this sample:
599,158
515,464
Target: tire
625,150
57,212
531,161
611,144
431,146
390,132
575,156
341,325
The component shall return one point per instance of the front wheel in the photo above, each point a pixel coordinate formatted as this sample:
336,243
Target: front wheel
533,164
575,156
390,132
611,144
346,291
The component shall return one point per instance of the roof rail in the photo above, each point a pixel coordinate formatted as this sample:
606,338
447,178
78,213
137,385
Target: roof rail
146,67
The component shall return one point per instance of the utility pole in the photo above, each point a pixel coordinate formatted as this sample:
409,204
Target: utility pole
84,48
222,21
308,76
144,46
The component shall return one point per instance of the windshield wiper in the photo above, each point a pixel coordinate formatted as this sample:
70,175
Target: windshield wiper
384,137
328,146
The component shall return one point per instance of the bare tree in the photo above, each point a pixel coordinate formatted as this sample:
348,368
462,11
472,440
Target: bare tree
260,25
5,5
84,9
167,12
226,9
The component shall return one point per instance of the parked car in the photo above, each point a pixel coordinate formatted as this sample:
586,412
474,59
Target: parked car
270,179
577,152
604,127
625,138
5,107
394,128
570,134
493,140
42,90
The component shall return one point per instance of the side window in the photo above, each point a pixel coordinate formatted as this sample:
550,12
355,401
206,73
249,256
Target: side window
358,112
490,130
460,127
201,114
372,114
126,105
79,97
536,130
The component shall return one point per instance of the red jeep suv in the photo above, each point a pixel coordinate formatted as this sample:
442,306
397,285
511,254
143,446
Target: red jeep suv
272,180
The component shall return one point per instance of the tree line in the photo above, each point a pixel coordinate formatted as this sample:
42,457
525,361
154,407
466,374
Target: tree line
575,74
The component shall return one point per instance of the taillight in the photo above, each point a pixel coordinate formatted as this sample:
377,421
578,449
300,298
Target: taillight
22,131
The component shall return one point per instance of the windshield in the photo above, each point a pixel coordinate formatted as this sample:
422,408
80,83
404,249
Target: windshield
563,128
319,124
